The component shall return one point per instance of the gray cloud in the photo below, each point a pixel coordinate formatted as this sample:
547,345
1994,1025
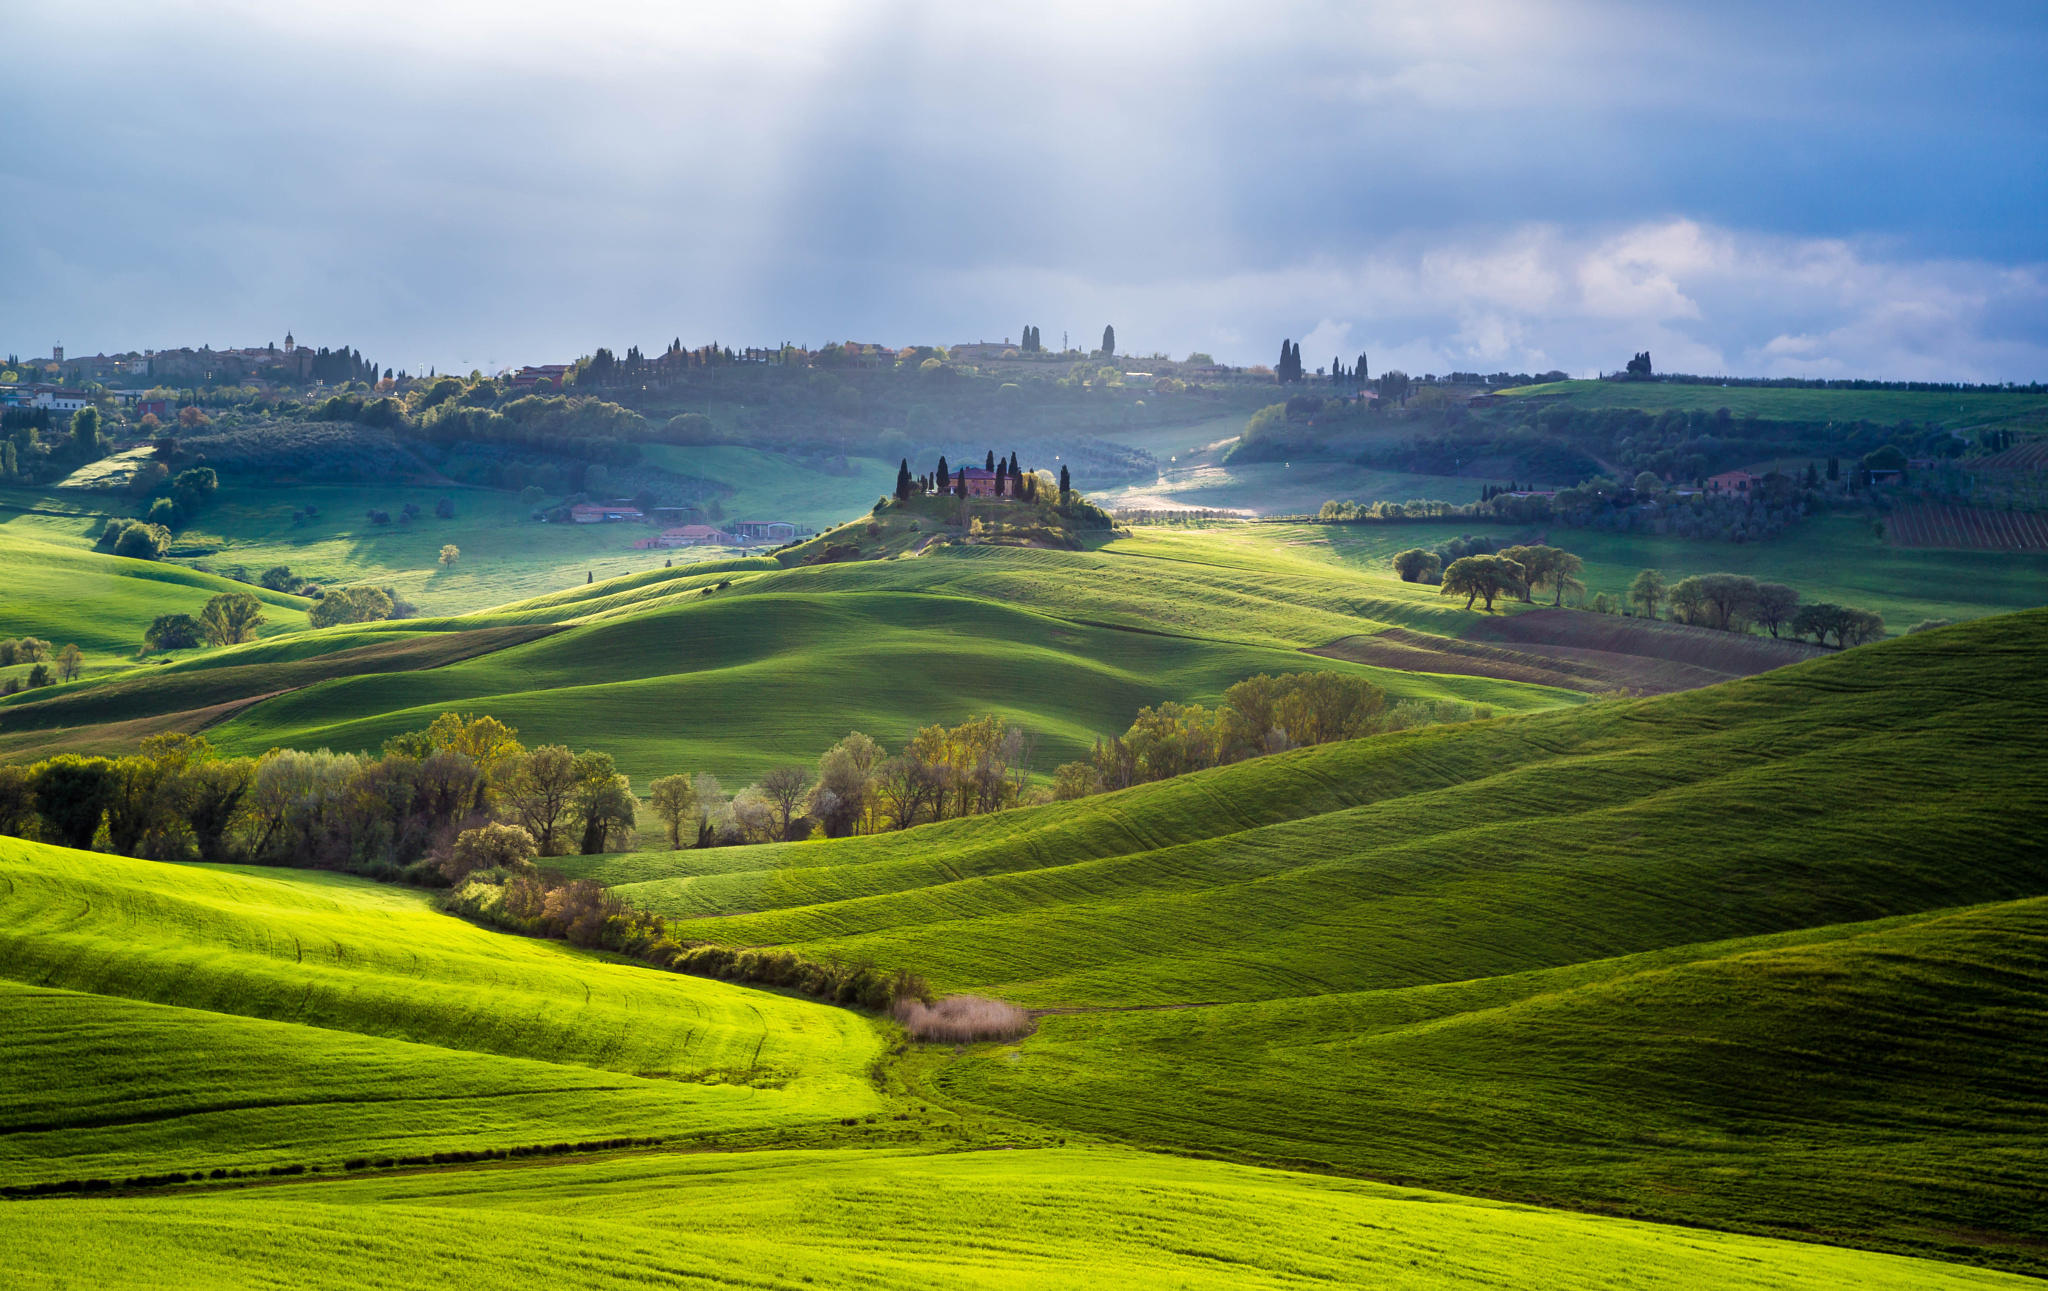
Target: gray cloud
1454,183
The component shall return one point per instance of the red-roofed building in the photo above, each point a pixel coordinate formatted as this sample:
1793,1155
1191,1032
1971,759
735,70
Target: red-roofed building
1732,482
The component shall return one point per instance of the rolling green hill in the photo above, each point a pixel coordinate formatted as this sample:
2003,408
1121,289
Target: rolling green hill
1060,1218
782,663
1497,934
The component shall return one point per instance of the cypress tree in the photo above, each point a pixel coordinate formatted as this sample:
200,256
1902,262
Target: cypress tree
1014,472
903,481
945,471
991,464
1002,477
1066,484
1109,342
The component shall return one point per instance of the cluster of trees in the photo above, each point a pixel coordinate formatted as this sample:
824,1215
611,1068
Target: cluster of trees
1259,715
1476,568
1288,370
1031,344
941,772
1012,480
1639,365
45,668
1737,603
398,814
227,619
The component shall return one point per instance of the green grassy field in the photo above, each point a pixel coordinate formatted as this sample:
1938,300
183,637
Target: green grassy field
191,1018
1832,558
1526,960
885,1219
104,603
777,667
1464,902
1959,410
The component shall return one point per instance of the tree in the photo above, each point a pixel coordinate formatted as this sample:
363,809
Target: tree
1109,342
172,632
603,801
71,796
86,441
1416,565
17,801
450,553
231,618
278,578
31,650
193,489
1648,482
674,799
1774,606
1481,576
1724,601
487,847
538,788
1647,591
944,475
903,484
211,793
1071,780
1639,365
1393,386
351,605
784,788
69,660
39,676
1066,485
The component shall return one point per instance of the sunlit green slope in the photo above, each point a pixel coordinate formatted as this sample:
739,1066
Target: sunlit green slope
1877,782
172,1017
1055,1218
1619,957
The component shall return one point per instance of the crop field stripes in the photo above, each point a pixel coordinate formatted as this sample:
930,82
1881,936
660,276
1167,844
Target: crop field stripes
1967,528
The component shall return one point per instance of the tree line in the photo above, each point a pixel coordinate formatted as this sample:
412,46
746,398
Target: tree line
1260,715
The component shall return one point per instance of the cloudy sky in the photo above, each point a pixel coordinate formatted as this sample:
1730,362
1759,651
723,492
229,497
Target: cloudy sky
1810,189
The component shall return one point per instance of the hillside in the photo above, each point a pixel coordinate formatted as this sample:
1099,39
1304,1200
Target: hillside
677,672
309,1044
1711,932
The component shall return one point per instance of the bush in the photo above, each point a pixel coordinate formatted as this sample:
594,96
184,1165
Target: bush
961,1019
493,846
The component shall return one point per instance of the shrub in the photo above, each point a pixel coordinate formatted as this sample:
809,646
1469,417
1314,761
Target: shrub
961,1019
493,846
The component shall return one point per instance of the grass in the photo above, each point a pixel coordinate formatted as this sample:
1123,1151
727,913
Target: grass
1829,558
105,603
1955,409
1867,1084
738,683
187,1017
1052,1218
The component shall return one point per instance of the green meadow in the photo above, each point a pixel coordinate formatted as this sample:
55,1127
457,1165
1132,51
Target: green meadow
1829,558
1070,1218
1939,408
1743,986
1764,956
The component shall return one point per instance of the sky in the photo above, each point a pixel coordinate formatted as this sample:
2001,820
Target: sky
1820,189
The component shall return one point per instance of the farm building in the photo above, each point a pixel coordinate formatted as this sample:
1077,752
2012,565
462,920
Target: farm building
594,513
763,530
689,535
1732,482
